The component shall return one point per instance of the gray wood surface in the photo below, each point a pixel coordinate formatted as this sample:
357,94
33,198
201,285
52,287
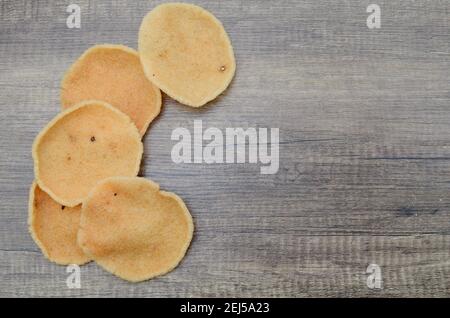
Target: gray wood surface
364,118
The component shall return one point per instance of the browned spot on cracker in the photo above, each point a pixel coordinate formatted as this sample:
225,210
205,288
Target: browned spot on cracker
163,54
113,145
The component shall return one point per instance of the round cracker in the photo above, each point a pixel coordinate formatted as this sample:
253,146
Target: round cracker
54,228
134,230
113,73
186,52
83,145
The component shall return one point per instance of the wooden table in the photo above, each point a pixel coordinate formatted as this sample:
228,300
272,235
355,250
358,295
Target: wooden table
364,119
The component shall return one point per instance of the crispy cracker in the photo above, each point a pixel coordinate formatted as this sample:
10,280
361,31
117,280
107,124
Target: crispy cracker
186,52
112,73
54,228
83,145
134,230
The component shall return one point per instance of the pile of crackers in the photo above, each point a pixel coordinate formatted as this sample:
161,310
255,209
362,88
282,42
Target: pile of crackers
87,203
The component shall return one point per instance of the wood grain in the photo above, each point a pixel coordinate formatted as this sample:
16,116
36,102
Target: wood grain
364,175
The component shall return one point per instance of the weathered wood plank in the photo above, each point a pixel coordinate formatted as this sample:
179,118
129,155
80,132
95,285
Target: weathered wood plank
364,124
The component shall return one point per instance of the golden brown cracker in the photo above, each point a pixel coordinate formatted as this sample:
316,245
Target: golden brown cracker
83,145
134,230
112,73
186,52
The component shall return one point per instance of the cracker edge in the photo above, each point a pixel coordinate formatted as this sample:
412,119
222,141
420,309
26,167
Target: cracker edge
42,133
